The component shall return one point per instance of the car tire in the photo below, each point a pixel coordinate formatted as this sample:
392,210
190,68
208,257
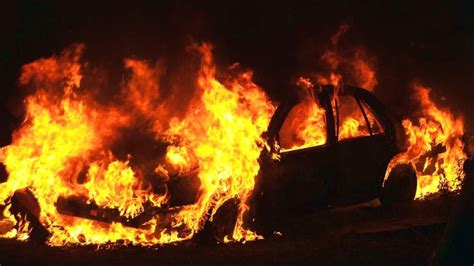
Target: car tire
224,220
222,224
400,185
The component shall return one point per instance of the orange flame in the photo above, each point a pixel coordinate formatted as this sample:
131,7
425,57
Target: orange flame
359,70
435,147
434,143
305,125
64,146
63,149
359,64
223,130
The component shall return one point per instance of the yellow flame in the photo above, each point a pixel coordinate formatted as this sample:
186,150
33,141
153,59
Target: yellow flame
435,127
63,150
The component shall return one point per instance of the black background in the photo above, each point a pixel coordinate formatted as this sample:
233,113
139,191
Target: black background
430,41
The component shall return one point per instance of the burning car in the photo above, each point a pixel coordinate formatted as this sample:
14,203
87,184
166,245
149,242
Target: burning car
326,147
330,147
139,171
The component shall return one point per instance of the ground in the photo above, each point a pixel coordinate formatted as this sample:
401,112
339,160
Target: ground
365,234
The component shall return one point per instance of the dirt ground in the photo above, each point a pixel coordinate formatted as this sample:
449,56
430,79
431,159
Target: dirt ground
365,234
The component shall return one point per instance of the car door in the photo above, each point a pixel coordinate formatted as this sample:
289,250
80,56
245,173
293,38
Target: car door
363,151
308,154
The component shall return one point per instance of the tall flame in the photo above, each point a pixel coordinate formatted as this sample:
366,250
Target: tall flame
223,133
358,68
63,149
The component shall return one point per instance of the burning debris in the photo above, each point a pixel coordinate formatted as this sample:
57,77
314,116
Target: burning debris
230,157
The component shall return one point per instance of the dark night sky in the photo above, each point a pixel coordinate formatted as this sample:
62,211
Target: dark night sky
432,41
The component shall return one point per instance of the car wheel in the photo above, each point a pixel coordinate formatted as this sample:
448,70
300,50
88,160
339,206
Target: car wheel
224,220
222,224
400,185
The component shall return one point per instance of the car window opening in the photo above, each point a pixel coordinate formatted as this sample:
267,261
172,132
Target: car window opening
304,127
374,123
354,124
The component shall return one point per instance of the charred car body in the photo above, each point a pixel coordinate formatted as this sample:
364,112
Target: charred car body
342,170
337,171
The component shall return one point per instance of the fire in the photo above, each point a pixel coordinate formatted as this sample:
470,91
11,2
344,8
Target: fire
359,69
114,185
434,140
222,131
64,150
305,125
434,146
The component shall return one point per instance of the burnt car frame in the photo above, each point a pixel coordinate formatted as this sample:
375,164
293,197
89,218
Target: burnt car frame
339,172
335,173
